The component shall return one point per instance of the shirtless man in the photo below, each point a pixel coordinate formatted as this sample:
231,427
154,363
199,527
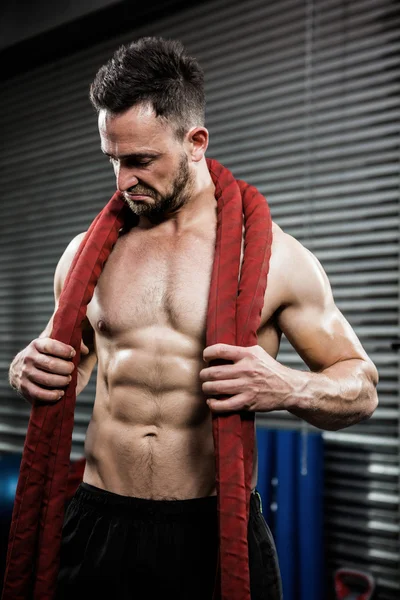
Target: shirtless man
144,520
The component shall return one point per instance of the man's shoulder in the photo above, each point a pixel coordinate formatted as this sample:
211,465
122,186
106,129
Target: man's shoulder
65,261
287,248
296,270
72,248
282,243
276,230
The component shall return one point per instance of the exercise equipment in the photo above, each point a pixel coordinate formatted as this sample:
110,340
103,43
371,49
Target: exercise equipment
9,471
352,584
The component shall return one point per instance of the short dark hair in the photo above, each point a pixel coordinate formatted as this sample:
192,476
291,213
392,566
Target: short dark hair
156,71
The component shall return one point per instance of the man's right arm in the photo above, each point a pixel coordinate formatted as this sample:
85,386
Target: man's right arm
43,369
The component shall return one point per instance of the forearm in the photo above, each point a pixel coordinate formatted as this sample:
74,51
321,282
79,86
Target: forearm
339,396
13,372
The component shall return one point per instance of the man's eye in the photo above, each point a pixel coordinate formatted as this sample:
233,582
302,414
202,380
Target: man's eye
138,163
132,162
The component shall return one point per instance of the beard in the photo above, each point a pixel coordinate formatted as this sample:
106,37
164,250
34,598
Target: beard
173,200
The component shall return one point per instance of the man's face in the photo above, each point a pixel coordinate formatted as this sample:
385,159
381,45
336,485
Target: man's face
150,164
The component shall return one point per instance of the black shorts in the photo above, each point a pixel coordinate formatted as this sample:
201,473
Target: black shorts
118,547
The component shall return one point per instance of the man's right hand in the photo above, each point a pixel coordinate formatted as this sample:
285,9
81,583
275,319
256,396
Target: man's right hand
42,370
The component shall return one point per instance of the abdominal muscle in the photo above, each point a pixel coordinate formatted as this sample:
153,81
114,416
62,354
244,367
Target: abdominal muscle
150,435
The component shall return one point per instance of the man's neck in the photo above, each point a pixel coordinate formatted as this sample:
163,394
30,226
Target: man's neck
199,208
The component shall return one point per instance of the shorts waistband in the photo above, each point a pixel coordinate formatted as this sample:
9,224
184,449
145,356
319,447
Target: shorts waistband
89,495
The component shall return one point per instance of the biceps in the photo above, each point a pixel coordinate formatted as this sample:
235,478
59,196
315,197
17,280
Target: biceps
321,335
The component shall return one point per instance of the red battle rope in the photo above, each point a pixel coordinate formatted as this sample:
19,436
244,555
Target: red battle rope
234,314
233,318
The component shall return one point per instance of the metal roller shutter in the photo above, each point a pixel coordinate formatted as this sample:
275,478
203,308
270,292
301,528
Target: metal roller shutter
303,101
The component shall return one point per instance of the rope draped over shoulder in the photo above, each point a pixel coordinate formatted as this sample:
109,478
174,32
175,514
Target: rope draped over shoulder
234,314
233,317
35,534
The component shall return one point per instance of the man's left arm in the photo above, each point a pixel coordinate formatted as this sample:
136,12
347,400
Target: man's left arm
340,388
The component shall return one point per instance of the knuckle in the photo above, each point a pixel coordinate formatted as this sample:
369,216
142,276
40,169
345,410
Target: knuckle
50,364
252,372
33,361
217,374
45,346
29,356
246,404
41,361
24,371
46,380
253,405
34,346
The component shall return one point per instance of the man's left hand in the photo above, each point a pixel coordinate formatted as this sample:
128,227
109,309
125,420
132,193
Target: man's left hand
254,381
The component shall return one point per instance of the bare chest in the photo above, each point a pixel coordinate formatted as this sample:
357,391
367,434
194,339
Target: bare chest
149,282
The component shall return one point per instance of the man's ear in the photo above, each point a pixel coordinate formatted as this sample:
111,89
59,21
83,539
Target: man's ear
197,139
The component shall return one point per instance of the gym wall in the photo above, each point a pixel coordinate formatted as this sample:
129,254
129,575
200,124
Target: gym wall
303,102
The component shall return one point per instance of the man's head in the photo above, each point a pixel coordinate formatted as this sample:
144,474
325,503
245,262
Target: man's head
150,101
157,72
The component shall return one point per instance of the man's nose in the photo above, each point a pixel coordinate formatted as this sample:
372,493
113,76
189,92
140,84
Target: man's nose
126,179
